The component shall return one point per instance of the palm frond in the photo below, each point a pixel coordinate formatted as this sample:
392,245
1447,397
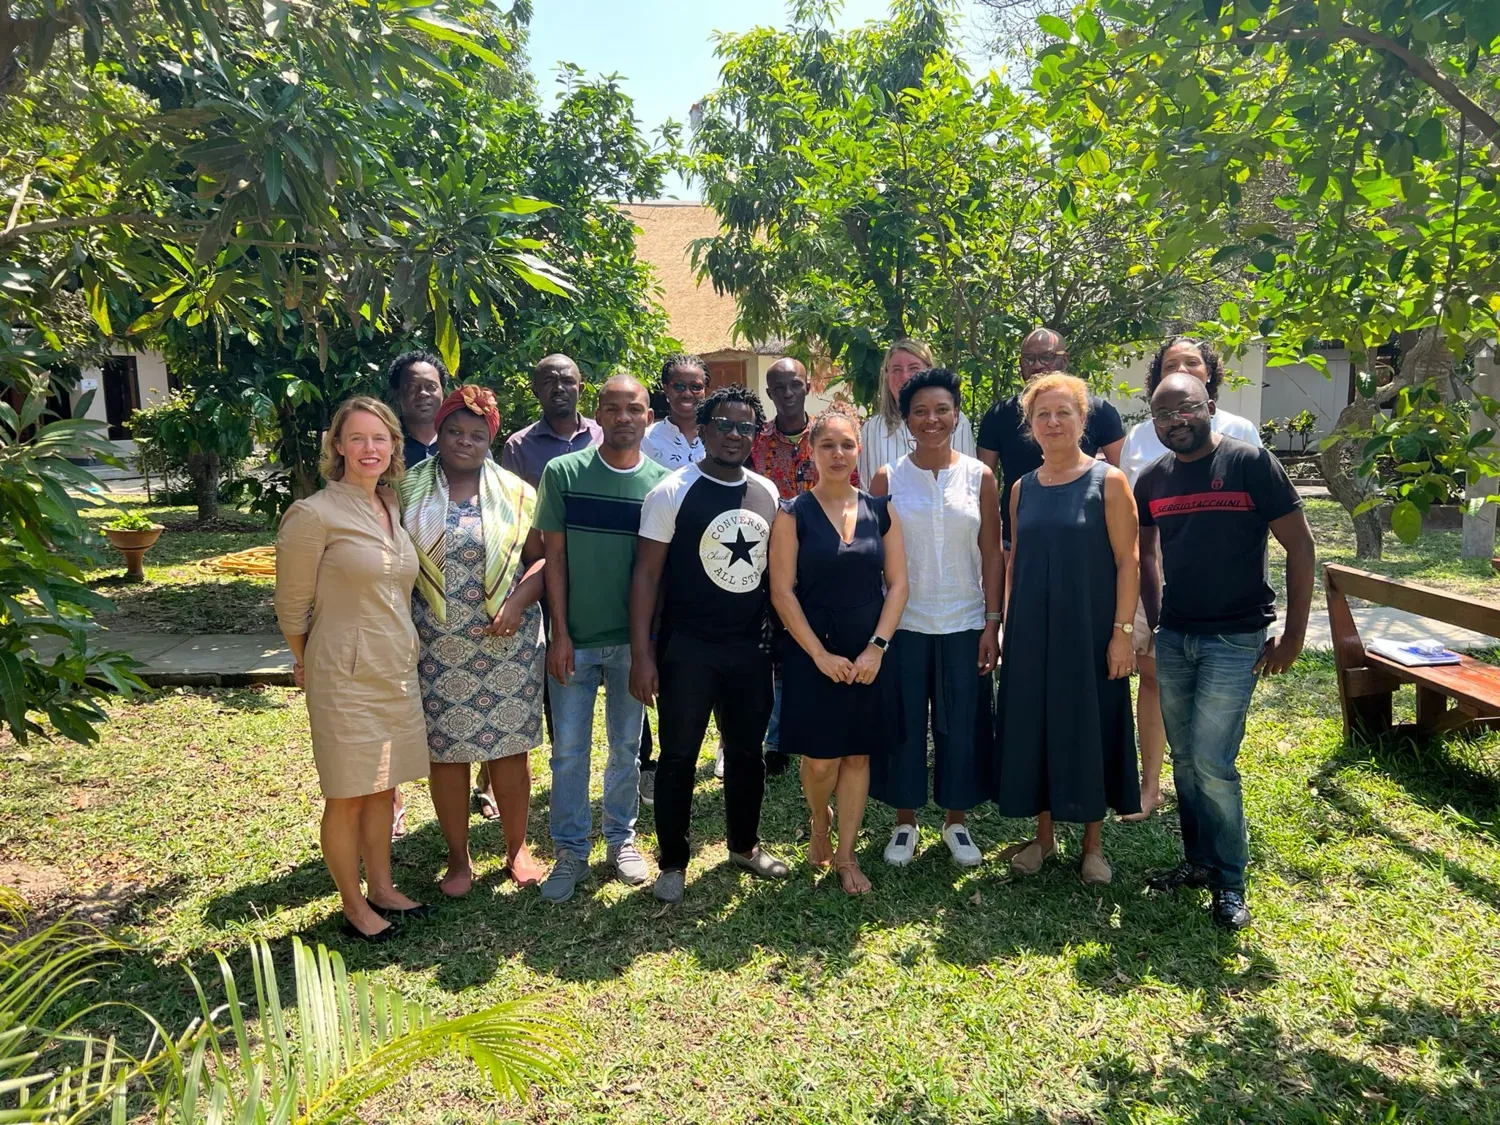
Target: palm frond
351,1038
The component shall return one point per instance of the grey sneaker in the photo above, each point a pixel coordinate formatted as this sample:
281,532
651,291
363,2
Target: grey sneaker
630,865
567,872
669,886
648,788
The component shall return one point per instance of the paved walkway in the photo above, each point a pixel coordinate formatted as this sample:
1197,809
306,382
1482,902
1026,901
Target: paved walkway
230,660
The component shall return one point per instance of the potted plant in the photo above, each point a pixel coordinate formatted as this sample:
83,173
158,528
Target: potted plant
132,534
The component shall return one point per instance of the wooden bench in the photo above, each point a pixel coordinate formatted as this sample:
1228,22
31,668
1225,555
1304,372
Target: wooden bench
1367,680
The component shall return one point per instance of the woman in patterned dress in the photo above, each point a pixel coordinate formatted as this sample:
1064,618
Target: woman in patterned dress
477,612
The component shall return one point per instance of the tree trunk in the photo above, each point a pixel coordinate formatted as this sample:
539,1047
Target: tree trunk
1338,463
203,468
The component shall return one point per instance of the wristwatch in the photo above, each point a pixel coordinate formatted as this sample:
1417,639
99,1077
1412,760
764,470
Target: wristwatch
880,642
1126,627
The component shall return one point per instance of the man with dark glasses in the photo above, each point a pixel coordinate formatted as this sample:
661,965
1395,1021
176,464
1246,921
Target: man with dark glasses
703,548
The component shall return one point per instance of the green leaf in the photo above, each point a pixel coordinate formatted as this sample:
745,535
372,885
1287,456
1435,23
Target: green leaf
1406,522
99,308
1055,26
1479,438
13,694
274,176
1229,313
1223,254
1397,262
445,333
1264,261
1211,10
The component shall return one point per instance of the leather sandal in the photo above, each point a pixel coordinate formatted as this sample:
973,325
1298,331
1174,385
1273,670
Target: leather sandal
843,865
1029,858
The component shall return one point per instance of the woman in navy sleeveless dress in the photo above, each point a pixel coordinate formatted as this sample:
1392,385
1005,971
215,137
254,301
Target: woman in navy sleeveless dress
838,582
1065,736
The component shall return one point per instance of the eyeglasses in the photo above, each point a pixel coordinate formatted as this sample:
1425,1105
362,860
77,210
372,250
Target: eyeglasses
1185,411
1035,358
729,425
683,388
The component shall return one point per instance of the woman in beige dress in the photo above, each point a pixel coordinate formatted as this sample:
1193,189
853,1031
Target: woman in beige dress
344,574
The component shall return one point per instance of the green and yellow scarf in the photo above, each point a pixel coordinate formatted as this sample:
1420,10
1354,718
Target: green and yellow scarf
507,506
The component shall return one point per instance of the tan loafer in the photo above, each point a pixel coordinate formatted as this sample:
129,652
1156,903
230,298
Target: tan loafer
1096,870
1029,859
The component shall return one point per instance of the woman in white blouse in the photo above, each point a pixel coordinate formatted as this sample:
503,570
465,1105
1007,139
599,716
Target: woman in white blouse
946,645
1178,356
885,439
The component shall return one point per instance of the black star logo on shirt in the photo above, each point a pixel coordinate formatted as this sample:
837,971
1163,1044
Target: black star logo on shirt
739,550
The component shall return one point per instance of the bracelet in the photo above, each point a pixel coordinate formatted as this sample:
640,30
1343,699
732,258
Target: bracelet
994,617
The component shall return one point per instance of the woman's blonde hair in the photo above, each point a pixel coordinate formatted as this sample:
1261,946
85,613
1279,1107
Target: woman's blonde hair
1072,385
890,407
331,463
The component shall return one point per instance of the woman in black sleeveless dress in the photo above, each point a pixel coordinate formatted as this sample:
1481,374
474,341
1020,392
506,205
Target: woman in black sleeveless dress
1065,739
838,582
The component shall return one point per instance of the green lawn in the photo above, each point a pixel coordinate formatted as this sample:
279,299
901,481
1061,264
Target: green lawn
1433,560
1369,986
180,596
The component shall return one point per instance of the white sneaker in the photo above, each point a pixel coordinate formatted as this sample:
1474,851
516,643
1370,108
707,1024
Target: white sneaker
961,844
719,762
903,845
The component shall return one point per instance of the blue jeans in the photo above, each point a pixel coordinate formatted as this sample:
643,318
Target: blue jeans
572,739
1206,683
773,729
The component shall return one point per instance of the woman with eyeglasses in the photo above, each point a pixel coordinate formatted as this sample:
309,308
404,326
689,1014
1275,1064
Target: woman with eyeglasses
1065,747
885,439
674,441
1178,356
838,582
944,649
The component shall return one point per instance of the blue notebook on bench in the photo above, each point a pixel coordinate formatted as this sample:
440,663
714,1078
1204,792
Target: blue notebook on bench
1414,654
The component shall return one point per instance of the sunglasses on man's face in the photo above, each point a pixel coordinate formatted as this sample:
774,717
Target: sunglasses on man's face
729,425
684,388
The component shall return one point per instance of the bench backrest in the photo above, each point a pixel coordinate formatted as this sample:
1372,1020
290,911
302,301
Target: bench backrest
1424,601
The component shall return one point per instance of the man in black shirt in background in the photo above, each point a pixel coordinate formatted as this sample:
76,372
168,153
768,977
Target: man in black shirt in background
704,543
1210,502
1005,440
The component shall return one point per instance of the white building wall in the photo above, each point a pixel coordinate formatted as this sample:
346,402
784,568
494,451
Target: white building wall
1298,387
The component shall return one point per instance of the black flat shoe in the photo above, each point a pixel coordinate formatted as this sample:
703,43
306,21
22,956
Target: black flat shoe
1185,874
1230,910
402,914
353,931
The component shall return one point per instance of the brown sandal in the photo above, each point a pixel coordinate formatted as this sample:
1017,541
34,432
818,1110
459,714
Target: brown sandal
845,865
826,837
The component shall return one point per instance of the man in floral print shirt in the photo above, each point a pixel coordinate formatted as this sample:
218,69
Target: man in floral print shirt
783,451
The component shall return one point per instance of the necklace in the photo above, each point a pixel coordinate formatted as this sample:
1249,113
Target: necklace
1053,478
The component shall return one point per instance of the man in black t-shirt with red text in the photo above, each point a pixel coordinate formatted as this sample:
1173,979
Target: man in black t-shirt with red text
702,554
1210,502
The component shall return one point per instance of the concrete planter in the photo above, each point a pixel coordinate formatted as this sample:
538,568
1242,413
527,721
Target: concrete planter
134,545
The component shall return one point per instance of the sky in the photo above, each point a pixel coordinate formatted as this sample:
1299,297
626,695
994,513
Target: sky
663,49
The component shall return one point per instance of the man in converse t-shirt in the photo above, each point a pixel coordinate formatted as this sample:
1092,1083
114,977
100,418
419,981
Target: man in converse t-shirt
705,537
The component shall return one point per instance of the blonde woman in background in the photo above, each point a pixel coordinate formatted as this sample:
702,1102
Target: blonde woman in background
884,439
344,573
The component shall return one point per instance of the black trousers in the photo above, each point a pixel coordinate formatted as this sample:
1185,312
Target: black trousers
699,679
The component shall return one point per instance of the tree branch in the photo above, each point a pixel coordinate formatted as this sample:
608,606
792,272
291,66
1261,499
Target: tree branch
1420,67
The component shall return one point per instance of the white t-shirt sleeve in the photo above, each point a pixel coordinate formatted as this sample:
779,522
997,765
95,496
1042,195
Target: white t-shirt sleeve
963,436
659,510
1233,425
1141,447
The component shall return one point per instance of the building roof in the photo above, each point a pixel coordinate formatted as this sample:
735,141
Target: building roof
700,318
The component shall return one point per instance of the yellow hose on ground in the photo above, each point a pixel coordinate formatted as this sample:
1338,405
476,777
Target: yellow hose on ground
259,562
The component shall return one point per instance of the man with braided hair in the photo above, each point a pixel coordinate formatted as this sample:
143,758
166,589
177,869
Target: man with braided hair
704,546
